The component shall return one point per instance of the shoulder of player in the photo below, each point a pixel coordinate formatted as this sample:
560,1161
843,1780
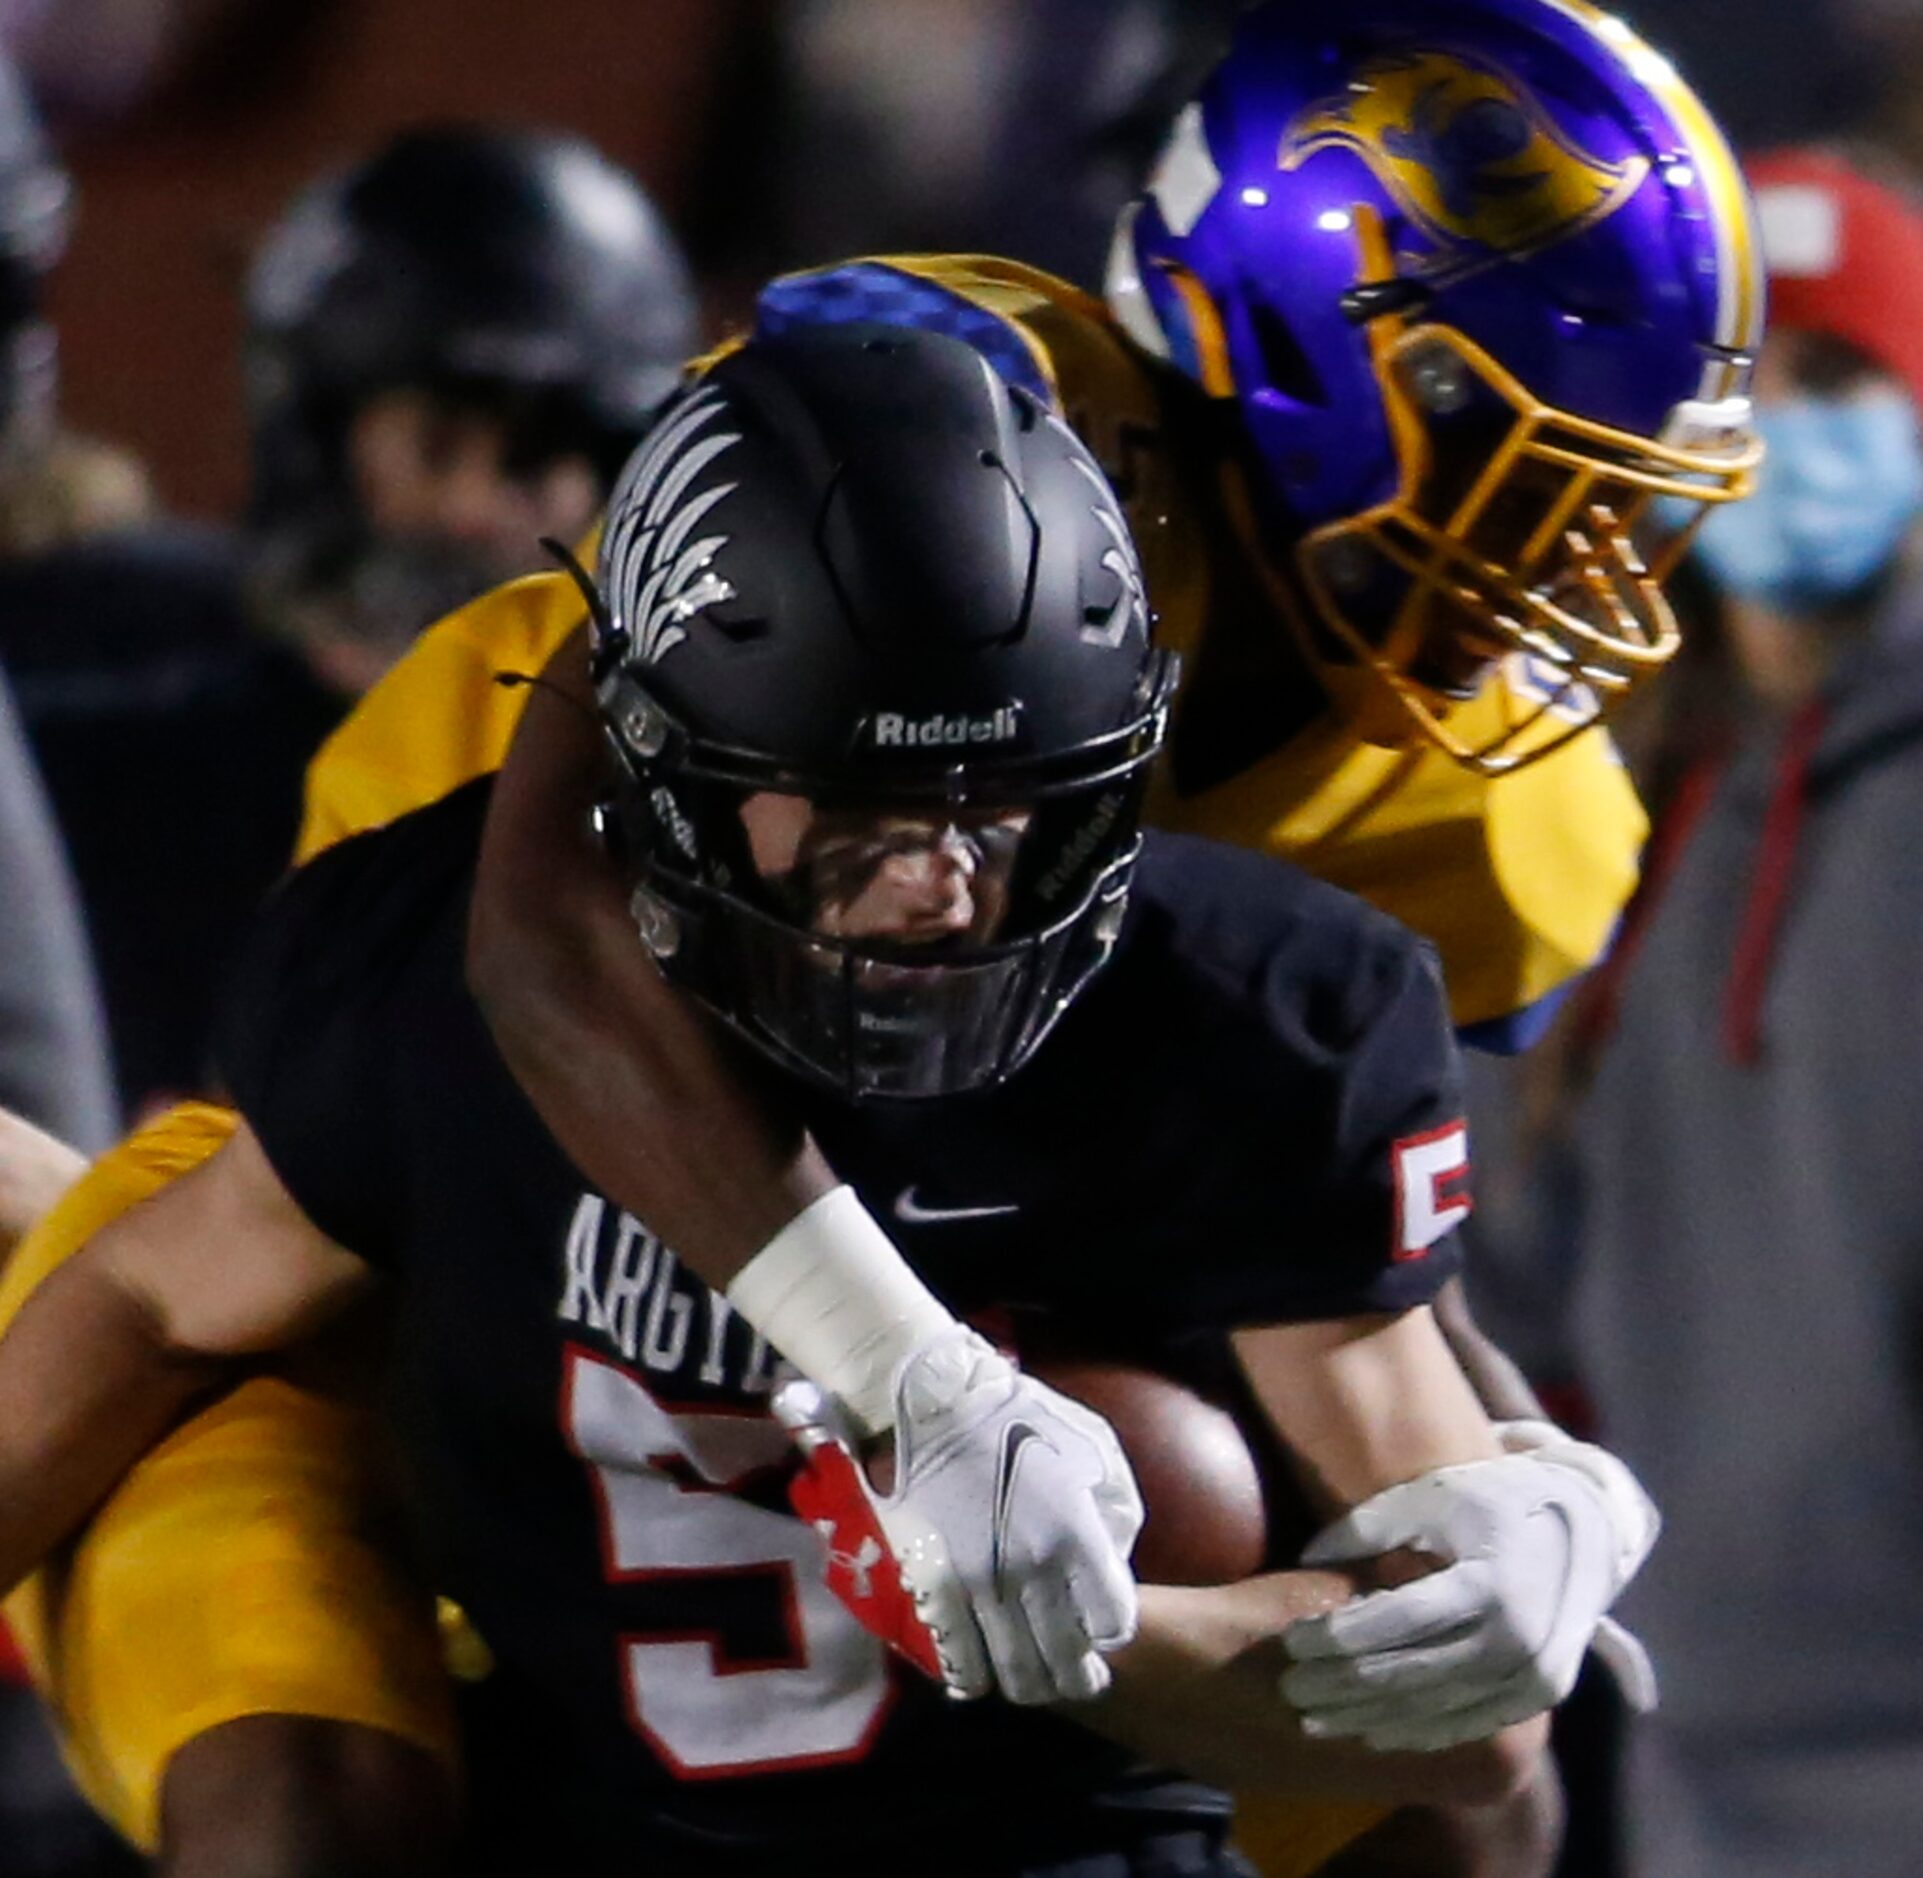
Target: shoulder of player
349,921
513,628
1260,932
441,716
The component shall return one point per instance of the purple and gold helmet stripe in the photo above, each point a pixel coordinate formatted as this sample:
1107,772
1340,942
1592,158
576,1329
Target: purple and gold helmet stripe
1211,346
1739,273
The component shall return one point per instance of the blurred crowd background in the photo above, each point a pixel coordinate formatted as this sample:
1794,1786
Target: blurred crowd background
778,133
773,132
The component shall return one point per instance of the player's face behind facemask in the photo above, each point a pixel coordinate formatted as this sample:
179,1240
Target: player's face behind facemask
873,652
909,946
451,488
891,874
903,972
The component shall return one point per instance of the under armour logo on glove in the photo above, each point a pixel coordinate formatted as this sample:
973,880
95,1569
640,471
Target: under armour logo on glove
831,1493
857,1568
1008,1527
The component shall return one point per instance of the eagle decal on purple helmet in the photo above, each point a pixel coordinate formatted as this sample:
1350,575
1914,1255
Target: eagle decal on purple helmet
1470,155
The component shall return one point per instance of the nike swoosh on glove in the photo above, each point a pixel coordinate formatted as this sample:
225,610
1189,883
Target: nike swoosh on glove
1537,1545
1636,1522
1012,1517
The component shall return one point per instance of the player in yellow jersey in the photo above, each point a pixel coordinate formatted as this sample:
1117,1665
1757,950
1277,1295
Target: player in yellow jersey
1387,453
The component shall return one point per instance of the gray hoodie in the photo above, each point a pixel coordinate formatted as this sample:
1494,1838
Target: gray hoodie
53,1051
1750,1295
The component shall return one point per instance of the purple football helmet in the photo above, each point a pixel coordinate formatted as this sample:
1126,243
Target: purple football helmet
1481,279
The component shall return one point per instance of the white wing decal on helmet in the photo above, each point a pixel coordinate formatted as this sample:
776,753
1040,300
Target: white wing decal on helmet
654,578
1131,603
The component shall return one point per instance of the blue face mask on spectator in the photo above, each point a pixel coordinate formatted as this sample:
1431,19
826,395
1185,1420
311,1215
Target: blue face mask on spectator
1835,496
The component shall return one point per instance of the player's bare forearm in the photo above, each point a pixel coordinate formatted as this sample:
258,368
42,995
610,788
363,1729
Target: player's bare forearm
35,1170
633,1082
152,1312
1198,1689
88,1382
1364,1403
1500,1386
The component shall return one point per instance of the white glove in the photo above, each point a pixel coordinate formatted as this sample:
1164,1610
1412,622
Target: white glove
1632,1513
1636,1521
1539,1543
1013,1514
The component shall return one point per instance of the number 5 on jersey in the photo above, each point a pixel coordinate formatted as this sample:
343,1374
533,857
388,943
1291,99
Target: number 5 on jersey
709,1696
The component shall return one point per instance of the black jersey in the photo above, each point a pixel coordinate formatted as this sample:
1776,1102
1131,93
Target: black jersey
1251,1116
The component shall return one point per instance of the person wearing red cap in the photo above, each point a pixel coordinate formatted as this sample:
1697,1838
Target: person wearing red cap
1751,1249
1838,389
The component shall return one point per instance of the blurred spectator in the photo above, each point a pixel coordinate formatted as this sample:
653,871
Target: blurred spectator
451,351
1751,1261
53,1064
53,484
53,1056
52,1061
451,347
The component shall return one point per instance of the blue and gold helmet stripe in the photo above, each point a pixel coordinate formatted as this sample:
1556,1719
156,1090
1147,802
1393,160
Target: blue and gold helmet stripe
1739,269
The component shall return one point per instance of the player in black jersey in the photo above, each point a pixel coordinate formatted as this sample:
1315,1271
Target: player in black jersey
875,666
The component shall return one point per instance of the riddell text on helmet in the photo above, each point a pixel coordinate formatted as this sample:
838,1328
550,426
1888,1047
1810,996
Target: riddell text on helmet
894,730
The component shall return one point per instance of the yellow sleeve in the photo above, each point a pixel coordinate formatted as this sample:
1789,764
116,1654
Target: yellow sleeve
441,717
173,1142
237,1570
1519,881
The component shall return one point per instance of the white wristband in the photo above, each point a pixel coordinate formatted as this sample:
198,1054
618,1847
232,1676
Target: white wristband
835,1297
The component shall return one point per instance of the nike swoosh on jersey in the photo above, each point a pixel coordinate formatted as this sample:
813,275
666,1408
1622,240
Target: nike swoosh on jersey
911,1212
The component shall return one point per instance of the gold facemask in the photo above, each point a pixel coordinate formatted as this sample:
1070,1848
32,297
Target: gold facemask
1516,528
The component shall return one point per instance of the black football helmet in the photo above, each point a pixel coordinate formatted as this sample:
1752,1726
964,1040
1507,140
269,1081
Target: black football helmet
854,569
34,203
520,271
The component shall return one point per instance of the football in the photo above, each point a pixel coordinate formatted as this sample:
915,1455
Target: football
1219,1502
